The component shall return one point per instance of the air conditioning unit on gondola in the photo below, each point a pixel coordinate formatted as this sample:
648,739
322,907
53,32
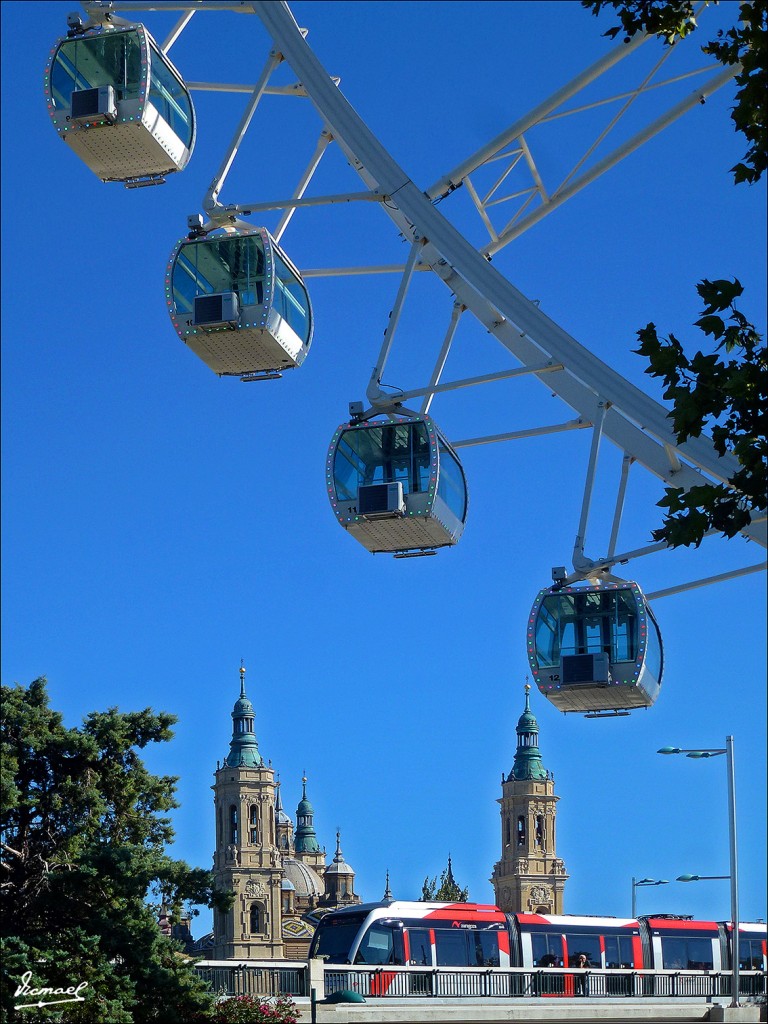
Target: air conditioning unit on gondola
215,310
94,104
585,669
381,501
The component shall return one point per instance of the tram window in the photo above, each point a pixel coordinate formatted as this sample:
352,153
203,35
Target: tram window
420,945
169,98
450,485
686,954
376,947
486,949
750,954
587,944
547,950
451,948
618,951
111,59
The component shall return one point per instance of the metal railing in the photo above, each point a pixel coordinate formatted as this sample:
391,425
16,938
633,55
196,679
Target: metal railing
479,983
267,979
255,978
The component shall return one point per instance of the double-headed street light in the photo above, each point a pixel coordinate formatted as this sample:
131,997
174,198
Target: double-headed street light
644,881
734,873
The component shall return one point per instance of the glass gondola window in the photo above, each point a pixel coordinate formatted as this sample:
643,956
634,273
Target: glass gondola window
384,453
653,655
587,623
113,58
169,97
290,299
451,487
218,265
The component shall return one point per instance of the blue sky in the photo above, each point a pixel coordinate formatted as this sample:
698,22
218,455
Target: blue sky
160,524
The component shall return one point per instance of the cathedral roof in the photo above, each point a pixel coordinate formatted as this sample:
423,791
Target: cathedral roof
305,881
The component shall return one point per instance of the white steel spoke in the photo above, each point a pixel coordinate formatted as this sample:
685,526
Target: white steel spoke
176,31
601,398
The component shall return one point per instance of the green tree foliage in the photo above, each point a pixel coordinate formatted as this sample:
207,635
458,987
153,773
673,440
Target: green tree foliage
744,44
84,828
730,393
447,891
724,388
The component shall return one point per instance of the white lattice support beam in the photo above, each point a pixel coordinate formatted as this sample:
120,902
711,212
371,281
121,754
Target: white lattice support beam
454,178
635,422
561,196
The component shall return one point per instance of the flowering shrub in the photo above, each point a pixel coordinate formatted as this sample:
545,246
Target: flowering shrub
249,1010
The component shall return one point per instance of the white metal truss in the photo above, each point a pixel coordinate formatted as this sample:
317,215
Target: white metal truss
601,398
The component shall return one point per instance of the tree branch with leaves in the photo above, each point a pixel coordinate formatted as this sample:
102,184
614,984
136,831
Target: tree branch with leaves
724,389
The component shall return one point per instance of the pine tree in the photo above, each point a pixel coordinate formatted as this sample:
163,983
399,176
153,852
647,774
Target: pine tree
84,868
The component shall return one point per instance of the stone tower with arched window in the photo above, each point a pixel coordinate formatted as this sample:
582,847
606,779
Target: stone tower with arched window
247,858
529,878
277,873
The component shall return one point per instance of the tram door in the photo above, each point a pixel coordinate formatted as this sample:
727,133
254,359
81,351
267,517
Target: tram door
420,943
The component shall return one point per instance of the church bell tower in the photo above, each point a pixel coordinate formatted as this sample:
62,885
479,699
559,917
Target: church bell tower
529,878
246,860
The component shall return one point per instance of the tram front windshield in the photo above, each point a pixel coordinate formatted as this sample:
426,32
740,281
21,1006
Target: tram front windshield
586,623
334,937
382,454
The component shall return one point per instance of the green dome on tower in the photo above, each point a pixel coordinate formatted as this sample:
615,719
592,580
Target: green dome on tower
306,839
243,749
528,756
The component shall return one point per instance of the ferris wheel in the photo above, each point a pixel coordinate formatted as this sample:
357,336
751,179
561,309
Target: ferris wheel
235,297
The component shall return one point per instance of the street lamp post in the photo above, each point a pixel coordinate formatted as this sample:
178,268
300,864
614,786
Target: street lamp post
644,881
734,861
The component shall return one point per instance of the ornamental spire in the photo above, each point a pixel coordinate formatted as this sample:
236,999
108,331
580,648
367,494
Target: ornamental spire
306,838
528,756
243,748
